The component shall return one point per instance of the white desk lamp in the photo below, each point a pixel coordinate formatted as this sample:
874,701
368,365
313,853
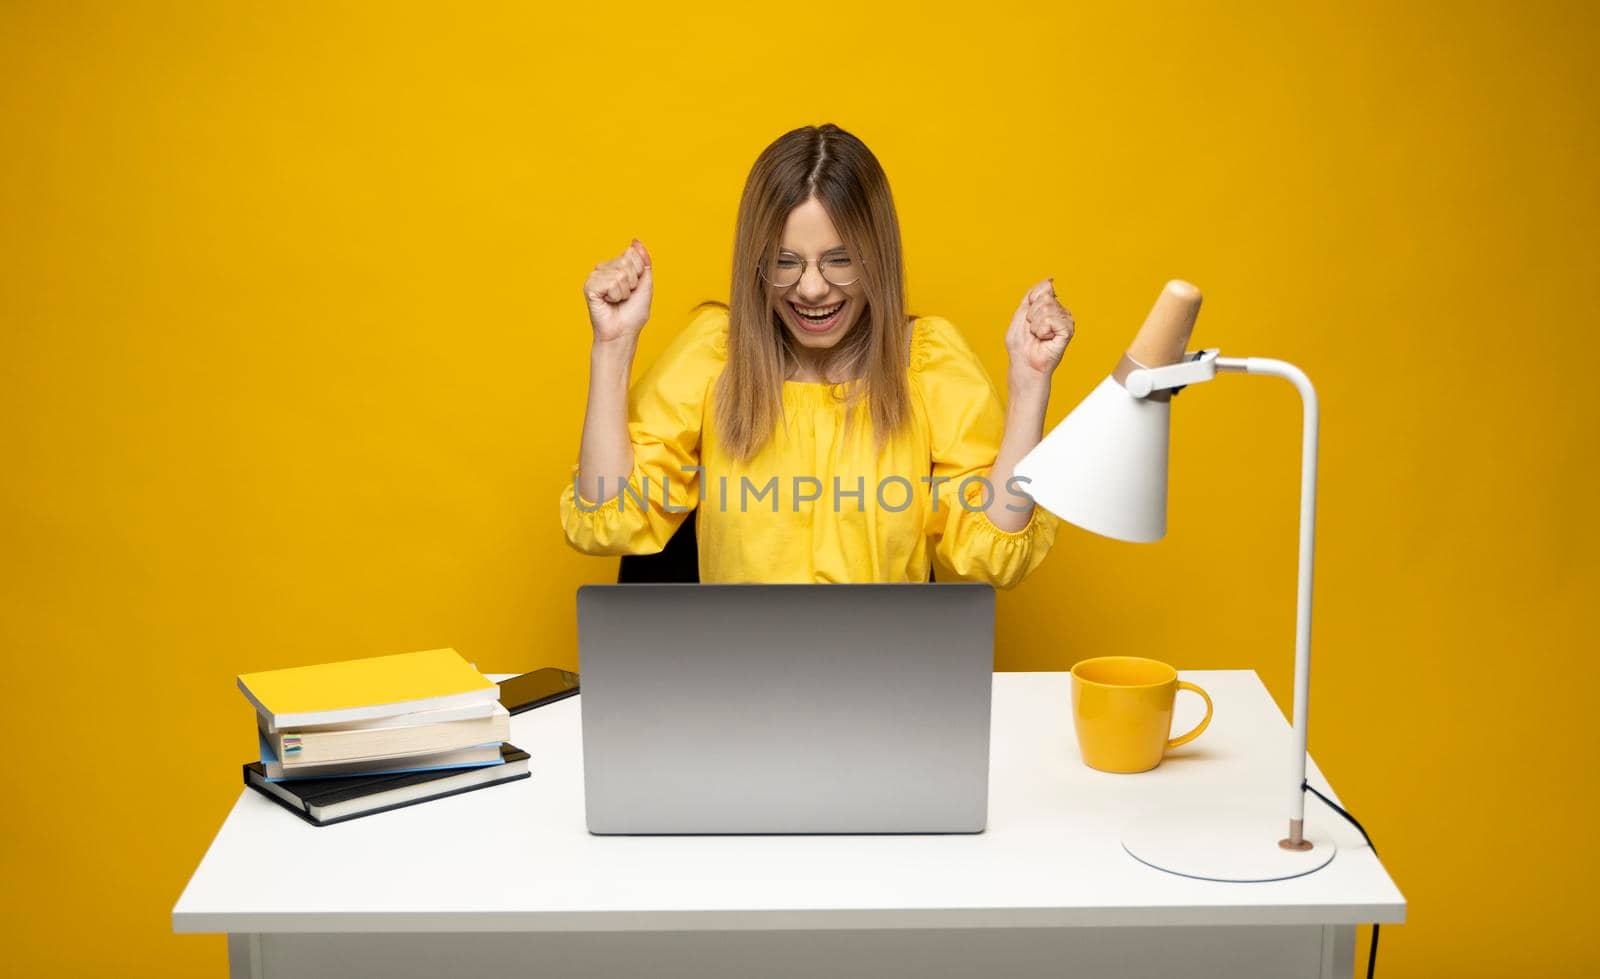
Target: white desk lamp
1104,468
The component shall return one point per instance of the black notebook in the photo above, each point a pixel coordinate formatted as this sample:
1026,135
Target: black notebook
321,801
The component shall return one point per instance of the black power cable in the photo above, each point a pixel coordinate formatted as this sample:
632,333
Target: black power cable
1372,953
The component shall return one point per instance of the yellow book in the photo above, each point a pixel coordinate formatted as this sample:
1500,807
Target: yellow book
362,689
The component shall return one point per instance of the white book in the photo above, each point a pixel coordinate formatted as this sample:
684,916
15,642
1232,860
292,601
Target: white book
298,749
483,754
416,717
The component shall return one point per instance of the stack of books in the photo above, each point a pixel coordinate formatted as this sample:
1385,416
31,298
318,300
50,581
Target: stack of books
348,739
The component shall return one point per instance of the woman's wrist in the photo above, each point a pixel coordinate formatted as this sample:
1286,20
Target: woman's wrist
1029,386
613,355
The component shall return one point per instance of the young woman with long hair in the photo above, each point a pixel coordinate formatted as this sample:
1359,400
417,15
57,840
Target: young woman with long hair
823,432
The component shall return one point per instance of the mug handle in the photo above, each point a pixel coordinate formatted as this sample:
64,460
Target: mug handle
1204,722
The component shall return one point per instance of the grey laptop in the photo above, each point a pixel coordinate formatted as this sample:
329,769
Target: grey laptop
786,708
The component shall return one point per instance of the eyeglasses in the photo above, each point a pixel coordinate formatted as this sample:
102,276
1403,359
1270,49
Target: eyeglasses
785,269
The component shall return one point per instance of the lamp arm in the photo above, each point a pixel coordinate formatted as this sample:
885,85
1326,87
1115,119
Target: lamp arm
1202,366
1302,622
1195,368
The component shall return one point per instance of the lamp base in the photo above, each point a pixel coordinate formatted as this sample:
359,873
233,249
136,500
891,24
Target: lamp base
1224,843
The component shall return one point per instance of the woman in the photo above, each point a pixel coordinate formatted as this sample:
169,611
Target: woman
824,434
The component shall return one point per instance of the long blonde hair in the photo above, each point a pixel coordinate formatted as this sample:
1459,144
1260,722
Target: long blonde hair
837,169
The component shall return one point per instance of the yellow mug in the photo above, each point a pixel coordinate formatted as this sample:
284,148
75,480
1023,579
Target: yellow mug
1122,709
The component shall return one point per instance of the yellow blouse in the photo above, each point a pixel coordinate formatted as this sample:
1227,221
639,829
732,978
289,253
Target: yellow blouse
813,505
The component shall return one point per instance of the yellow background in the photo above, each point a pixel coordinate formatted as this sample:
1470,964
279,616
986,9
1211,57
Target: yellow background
294,356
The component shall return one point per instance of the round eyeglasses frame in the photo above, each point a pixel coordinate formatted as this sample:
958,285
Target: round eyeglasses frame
806,263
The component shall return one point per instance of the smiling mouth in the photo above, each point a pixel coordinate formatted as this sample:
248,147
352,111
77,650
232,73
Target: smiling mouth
820,318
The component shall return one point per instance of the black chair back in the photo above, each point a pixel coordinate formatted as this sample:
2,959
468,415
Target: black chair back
678,562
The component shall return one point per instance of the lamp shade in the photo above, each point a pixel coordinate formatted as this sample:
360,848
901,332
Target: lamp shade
1104,468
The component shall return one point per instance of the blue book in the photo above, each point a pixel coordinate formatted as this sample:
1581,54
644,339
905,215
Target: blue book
477,756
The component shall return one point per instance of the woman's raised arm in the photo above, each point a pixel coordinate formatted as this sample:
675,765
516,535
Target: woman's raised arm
618,293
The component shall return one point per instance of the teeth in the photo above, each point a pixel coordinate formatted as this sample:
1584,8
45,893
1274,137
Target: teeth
821,314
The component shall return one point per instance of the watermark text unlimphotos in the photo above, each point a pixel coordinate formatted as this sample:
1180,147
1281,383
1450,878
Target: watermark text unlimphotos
894,493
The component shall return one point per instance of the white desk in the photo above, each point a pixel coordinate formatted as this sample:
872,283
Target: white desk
507,881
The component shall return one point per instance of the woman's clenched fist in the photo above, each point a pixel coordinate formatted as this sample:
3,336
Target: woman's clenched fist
1039,333
618,293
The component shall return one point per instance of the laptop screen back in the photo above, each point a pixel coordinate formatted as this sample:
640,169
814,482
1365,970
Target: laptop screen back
786,708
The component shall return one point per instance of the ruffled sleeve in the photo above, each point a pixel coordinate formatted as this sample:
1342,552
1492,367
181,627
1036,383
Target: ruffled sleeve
966,422
666,409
